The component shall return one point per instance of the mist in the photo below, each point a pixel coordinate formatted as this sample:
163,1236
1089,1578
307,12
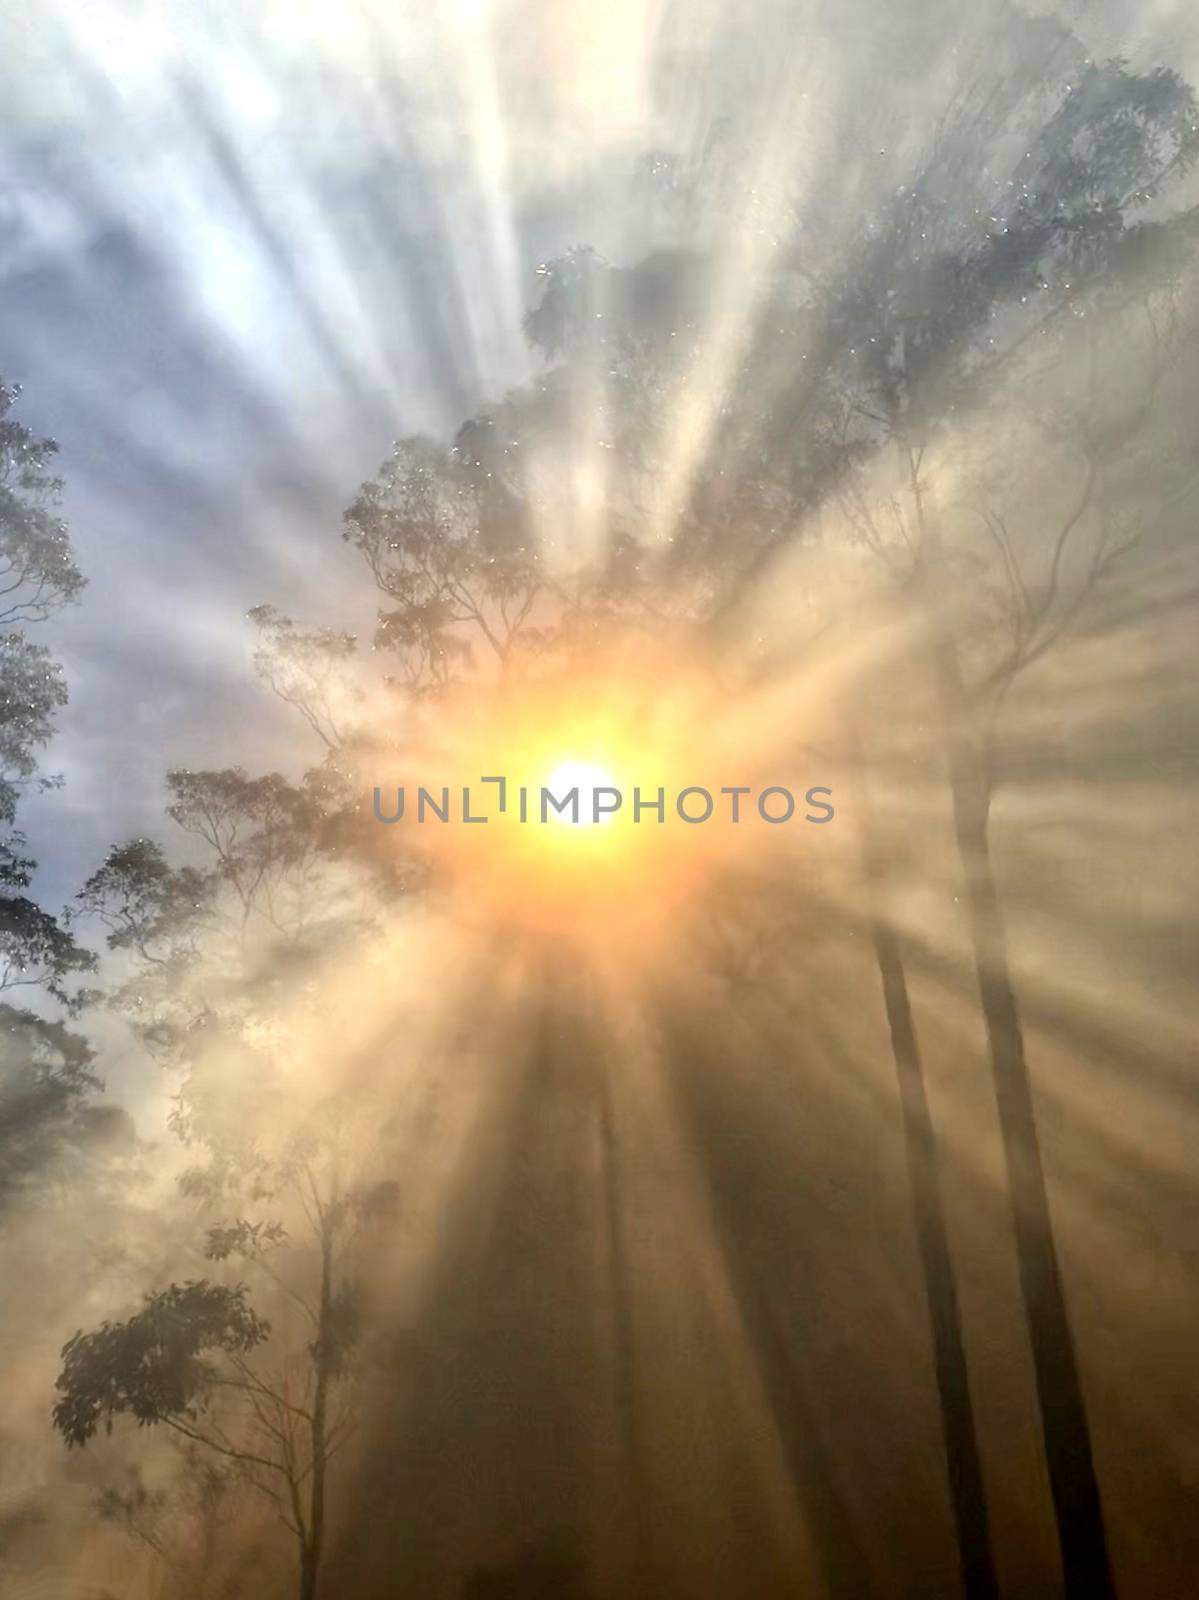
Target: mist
780,399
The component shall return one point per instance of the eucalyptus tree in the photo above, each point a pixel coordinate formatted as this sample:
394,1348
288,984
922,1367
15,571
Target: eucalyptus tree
446,543
38,577
932,326
217,959
46,1068
199,1360
47,1122
878,355
772,461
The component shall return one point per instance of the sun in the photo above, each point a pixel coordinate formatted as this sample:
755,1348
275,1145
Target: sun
572,828
596,789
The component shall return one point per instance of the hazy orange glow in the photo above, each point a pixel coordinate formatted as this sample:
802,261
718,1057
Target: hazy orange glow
632,725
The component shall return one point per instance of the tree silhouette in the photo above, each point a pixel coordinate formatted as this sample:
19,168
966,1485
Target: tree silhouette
195,1357
38,577
210,947
445,543
46,1120
46,1072
921,353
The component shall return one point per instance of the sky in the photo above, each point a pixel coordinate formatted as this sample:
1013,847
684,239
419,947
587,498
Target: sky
243,248
240,254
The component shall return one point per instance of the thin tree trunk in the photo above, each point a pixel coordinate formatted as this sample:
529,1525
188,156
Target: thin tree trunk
1082,1539
966,1488
310,1559
626,1385
572,1031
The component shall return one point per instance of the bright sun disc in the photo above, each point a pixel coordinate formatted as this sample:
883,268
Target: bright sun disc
584,777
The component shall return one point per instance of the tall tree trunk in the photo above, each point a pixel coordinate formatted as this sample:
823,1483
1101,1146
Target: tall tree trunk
310,1558
1077,1507
626,1376
966,1488
574,1030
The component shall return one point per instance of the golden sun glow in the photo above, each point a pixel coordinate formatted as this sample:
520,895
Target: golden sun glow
563,797
587,860
588,792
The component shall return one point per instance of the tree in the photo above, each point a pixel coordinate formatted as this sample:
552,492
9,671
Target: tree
46,1080
38,576
760,486
923,350
152,1515
45,1069
194,1358
306,668
445,543
213,950
897,343
37,951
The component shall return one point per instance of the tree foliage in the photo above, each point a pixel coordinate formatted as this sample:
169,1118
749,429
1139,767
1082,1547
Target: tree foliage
158,1365
46,1081
447,544
38,574
45,1069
